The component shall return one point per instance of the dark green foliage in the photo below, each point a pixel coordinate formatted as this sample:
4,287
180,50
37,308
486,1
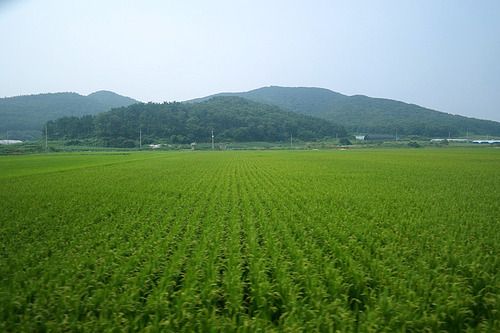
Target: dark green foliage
310,101
413,144
362,114
231,118
22,117
380,137
345,141
110,99
21,148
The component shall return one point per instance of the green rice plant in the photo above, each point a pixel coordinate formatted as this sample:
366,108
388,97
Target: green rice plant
355,240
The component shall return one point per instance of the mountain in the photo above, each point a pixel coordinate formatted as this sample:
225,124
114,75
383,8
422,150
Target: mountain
362,114
231,118
110,99
310,101
23,117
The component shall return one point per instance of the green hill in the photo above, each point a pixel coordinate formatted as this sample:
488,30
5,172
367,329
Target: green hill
362,114
233,119
23,117
110,99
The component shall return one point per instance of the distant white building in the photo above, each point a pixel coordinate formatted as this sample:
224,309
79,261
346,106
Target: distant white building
486,141
9,142
449,140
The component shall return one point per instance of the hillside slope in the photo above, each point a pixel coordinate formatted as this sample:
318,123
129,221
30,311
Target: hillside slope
23,117
110,99
231,119
362,114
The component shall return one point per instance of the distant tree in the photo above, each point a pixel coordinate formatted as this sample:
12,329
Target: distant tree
364,114
345,141
26,115
231,118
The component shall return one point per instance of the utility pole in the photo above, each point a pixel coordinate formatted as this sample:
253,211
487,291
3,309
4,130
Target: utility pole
212,139
45,136
140,139
291,141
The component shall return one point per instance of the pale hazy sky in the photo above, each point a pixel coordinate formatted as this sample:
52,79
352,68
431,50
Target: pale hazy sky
443,55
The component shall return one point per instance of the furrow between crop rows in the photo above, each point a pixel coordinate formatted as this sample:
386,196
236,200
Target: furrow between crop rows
252,241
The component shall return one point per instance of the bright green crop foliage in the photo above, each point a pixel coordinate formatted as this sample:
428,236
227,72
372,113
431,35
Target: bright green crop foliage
356,240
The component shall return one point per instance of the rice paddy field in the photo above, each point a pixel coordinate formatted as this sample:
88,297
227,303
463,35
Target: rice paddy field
246,241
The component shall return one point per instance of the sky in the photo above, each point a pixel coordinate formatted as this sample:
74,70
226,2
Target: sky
439,54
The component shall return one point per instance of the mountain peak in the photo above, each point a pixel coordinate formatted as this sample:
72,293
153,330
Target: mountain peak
101,92
111,99
363,114
24,116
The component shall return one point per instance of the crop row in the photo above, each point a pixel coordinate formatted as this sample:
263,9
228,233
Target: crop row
242,241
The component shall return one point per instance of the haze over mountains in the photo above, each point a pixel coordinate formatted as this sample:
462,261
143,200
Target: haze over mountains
362,114
23,117
231,118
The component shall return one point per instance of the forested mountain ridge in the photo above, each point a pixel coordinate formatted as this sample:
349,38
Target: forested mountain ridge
362,114
23,117
111,99
231,118
305,100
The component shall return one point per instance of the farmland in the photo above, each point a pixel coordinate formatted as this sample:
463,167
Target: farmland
356,240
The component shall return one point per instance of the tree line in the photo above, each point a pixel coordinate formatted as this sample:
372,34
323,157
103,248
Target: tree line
22,116
362,114
233,119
